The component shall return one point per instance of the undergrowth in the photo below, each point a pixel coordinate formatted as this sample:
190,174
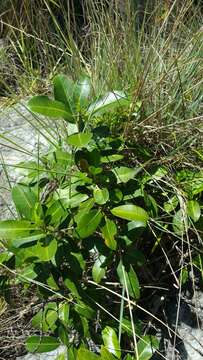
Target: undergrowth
109,220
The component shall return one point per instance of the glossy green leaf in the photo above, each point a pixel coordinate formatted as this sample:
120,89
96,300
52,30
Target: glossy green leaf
52,283
25,253
111,341
24,199
101,196
129,357
72,287
71,353
132,225
111,158
198,262
82,91
109,102
180,223
79,140
105,354
134,283
116,195
46,252
37,321
51,315
109,230
38,214
19,232
26,274
69,198
98,272
84,354
184,276
171,204
47,107
131,212
60,160
63,335
85,327
63,313
41,344
127,327
95,170
192,181
193,210
63,354
46,318
63,90
147,346
56,213
80,259
89,223
159,174
5,256
197,186
135,194
19,241
124,174
129,279
84,310
151,205
84,208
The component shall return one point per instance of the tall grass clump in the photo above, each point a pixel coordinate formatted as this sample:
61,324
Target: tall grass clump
153,52
159,62
108,220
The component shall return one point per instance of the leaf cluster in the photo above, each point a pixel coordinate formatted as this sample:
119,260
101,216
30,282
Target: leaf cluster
89,216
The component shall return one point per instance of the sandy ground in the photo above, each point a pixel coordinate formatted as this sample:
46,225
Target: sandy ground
18,141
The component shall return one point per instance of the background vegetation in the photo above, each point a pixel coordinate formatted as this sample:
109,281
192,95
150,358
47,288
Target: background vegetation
152,141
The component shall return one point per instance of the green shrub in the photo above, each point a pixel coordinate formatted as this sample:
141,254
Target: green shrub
94,215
